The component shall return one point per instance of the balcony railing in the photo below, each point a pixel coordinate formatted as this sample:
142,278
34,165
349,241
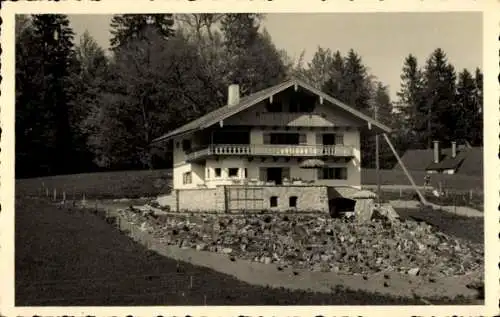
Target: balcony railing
272,150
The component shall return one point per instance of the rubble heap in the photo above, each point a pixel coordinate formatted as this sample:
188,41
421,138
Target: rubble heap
319,243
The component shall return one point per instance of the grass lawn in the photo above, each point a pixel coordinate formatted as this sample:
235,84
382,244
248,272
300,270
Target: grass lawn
468,228
135,184
131,184
456,182
70,257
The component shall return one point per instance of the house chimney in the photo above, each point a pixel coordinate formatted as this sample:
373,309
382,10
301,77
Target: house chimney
437,152
453,149
233,95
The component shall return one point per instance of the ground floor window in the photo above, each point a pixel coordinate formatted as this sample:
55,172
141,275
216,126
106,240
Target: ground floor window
293,201
187,178
333,173
273,201
233,172
217,171
245,173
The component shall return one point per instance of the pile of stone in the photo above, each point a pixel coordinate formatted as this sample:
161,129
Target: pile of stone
319,243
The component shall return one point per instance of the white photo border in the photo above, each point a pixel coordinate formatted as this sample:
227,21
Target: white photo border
491,69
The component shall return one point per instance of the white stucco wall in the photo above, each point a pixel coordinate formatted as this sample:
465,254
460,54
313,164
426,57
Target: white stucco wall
326,118
181,167
253,170
200,171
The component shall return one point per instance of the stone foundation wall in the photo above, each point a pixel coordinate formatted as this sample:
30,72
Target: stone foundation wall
203,199
309,198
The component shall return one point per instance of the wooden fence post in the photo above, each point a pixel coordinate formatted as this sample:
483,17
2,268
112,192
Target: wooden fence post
55,194
64,197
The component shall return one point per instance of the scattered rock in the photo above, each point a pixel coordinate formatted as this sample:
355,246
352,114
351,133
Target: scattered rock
201,247
414,271
319,242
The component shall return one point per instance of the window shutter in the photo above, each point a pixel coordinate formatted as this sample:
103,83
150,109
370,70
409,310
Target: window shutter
302,138
320,173
339,139
286,173
267,138
319,138
262,174
344,173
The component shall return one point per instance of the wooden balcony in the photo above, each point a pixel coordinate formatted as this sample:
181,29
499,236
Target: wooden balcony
271,150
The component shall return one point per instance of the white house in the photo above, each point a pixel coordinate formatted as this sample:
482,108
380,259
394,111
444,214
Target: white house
287,140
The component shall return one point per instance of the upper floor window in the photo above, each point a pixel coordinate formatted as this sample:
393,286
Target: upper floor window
333,173
302,103
187,178
274,106
332,139
186,145
285,138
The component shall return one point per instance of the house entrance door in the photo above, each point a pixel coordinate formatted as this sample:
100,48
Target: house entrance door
275,174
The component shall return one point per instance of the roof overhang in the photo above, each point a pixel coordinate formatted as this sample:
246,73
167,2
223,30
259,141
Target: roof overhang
372,124
169,136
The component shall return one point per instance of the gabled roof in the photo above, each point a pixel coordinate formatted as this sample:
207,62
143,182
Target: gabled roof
468,161
225,112
448,162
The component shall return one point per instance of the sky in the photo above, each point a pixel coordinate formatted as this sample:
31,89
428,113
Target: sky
383,40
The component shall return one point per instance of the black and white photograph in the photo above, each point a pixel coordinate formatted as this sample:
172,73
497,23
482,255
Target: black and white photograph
250,159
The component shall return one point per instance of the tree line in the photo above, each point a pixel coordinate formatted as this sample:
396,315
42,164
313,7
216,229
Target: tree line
80,109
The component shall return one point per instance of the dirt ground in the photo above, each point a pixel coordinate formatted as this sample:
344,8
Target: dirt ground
392,284
269,275
70,257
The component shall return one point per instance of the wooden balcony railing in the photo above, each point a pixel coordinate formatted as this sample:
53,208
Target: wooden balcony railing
272,150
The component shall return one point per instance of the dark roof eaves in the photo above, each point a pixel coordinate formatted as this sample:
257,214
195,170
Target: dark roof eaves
272,90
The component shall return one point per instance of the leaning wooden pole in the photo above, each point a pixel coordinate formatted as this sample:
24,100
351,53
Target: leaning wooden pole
422,198
377,159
